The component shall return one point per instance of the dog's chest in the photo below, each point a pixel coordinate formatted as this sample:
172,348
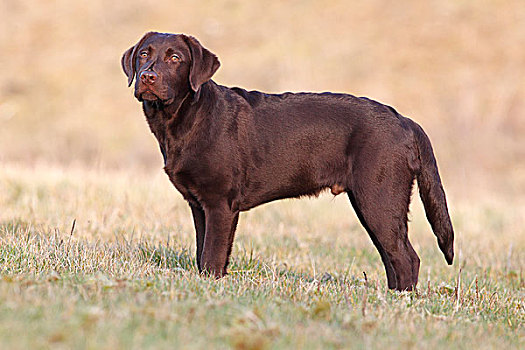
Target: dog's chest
180,176
186,169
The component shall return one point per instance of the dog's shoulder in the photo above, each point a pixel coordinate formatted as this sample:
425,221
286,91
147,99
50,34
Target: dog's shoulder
253,97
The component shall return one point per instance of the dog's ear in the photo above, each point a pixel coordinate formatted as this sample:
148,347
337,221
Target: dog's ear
128,64
203,63
129,58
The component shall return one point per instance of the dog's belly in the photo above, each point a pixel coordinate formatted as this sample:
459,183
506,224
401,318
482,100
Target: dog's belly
283,172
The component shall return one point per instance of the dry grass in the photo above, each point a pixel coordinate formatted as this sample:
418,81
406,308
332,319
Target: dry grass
74,147
123,276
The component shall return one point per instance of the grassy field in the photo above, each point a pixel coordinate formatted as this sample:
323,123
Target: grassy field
96,247
94,259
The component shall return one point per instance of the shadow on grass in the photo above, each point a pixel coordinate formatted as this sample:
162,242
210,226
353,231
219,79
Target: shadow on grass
167,257
25,247
182,258
245,264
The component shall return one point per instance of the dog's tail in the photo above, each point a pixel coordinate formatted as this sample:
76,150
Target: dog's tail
432,193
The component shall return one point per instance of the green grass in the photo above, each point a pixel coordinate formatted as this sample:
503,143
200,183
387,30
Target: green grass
123,276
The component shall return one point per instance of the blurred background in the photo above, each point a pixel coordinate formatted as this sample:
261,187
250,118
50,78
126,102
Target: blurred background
455,67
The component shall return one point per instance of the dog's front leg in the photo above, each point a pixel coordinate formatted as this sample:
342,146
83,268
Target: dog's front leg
220,228
199,220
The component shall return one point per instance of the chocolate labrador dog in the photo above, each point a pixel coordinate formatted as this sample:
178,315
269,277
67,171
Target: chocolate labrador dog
228,150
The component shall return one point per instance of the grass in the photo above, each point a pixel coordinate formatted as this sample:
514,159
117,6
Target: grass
96,247
116,270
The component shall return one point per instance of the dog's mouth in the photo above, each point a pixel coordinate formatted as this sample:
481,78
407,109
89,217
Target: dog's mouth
148,96
145,94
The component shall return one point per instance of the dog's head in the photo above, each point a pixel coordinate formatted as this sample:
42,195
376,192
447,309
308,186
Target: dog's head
167,66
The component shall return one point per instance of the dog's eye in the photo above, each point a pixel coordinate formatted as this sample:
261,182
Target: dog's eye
175,58
144,54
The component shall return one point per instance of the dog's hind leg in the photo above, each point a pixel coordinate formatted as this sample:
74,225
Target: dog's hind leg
381,203
390,272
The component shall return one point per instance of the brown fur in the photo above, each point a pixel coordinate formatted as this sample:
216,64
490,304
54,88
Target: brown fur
228,150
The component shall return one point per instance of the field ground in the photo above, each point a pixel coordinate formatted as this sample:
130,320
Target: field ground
123,275
96,247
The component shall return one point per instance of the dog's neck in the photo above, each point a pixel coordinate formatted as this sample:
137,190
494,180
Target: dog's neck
178,118
167,110
180,106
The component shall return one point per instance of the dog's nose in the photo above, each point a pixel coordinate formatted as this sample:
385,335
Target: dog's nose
148,77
